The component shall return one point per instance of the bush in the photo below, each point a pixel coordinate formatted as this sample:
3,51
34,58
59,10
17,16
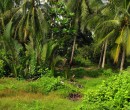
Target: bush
82,56
2,71
81,72
113,94
107,72
81,61
44,85
69,88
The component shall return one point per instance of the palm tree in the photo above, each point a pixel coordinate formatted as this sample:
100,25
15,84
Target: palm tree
80,9
27,30
31,30
114,26
91,17
7,10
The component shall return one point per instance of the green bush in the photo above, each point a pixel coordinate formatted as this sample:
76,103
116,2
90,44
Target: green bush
2,71
44,85
113,94
82,56
107,72
81,72
81,61
69,88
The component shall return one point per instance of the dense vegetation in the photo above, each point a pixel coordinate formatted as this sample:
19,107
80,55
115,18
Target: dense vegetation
62,47
113,94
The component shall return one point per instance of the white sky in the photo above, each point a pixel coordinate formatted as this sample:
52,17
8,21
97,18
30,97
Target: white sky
105,1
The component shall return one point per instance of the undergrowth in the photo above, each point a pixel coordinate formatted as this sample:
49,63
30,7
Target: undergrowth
113,94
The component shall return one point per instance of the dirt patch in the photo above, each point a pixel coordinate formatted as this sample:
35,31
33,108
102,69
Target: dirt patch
75,96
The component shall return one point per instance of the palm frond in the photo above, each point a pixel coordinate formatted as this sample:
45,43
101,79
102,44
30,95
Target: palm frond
108,23
101,40
115,52
119,39
128,42
7,33
84,14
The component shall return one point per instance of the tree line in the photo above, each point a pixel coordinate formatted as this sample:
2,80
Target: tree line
37,34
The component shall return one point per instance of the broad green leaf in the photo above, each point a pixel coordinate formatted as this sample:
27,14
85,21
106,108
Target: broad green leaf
115,53
7,33
128,42
44,52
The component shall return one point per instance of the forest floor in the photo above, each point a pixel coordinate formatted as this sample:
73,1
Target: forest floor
13,95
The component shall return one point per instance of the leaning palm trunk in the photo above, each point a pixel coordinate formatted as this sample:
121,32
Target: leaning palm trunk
122,60
73,49
101,55
104,54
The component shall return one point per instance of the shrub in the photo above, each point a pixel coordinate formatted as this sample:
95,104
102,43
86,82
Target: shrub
44,85
47,84
82,56
107,72
81,61
69,88
2,71
81,72
113,94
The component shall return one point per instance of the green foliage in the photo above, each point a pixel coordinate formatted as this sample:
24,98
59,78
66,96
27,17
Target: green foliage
69,88
44,85
81,72
113,94
2,62
62,19
80,61
82,56
2,71
107,72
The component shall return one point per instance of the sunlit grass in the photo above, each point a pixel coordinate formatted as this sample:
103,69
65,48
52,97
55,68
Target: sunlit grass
20,100
14,96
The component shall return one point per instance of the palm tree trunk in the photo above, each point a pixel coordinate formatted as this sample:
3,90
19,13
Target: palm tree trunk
104,53
72,53
122,60
100,60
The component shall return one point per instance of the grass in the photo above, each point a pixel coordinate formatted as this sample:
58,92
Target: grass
12,100
14,96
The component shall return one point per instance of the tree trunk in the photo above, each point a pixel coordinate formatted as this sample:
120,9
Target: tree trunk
104,53
72,54
101,55
122,60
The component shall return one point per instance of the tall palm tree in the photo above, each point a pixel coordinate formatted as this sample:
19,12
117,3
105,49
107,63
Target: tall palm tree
30,29
81,10
27,30
7,9
91,14
116,27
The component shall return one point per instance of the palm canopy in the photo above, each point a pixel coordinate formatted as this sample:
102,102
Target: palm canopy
116,27
29,22
7,9
26,32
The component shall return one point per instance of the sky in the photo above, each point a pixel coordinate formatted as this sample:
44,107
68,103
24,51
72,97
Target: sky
105,1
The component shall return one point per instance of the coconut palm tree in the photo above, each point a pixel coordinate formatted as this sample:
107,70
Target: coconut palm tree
27,29
7,10
81,9
116,27
88,14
